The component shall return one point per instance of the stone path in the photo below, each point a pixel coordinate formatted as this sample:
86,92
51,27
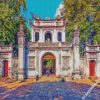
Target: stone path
49,91
8,83
47,88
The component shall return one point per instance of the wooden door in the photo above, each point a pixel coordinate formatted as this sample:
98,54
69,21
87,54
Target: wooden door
5,68
91,68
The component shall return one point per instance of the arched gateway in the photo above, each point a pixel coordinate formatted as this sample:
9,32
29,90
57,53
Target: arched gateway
48,62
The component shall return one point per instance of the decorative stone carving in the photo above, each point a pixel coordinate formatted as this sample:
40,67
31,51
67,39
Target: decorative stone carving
31,63
21,28
76,35
75,27
65,63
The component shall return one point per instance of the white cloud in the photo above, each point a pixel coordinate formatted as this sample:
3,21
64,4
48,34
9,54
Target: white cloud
58,11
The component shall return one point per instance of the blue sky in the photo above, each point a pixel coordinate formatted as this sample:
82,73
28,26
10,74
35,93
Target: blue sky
42,8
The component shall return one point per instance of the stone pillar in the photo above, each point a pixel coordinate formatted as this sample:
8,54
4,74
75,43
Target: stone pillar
76,54
32,35
0,65
10,61
36,64
41,36
21,54
55,36
98,65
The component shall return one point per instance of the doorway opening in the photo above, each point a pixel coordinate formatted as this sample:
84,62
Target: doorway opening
91,68
5,68
48,63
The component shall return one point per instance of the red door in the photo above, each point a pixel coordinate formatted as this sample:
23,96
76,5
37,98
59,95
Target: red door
5,68
91,68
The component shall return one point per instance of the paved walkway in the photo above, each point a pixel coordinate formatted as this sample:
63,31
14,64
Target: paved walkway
13,84
45,89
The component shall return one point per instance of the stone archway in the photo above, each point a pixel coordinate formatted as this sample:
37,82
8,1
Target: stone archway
91,68
48,61
5,68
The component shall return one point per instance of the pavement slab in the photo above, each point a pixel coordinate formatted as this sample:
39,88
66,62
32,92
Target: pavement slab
52,89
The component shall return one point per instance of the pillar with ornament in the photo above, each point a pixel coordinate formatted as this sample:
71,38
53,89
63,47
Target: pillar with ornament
98,63
21,54
76,53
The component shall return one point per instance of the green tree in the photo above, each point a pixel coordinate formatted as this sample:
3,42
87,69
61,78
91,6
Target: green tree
10,20
50,62
85,13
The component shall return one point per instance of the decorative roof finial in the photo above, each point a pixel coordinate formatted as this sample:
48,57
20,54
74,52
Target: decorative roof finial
38,17
75,27
30,21
47,18
66,20
75,30
21,28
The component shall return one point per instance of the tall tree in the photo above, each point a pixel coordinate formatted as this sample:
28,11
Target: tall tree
85,13
10,20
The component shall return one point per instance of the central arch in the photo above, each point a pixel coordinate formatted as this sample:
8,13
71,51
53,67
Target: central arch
48,62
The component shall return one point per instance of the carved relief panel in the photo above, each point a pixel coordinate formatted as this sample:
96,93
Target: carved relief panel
21,41
65,63
31,64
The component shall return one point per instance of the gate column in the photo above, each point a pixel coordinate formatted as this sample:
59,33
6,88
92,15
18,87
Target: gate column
76,53
21,54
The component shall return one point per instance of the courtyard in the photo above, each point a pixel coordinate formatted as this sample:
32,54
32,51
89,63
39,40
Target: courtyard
47,88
